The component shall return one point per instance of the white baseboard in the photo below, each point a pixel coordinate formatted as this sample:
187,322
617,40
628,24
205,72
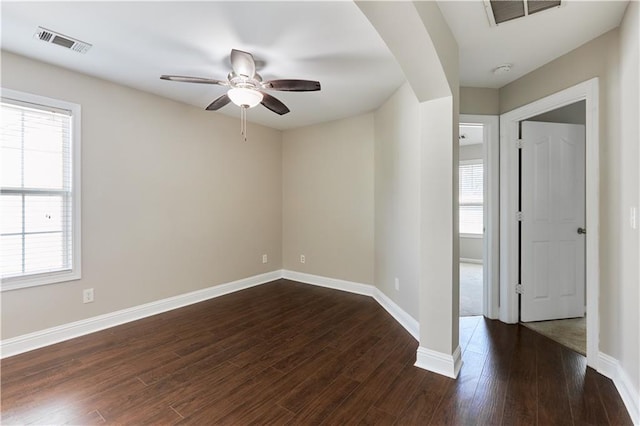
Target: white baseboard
443,364
439,362
607,365
467,260
336,284
403,318
50,336
610,367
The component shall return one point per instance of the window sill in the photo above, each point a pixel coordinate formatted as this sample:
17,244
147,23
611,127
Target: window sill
475,236
36,280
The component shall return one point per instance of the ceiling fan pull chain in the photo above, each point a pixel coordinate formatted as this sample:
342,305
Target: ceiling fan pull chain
243,121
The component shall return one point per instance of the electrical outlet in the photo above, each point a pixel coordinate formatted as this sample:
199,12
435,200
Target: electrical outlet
302,258
397,284
264,258
87,295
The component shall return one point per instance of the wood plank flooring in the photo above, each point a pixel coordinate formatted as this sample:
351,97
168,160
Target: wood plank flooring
290,353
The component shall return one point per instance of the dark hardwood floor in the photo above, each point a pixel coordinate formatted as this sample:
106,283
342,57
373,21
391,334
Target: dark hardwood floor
289,353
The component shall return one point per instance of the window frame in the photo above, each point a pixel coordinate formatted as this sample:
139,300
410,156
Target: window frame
75,273
471,163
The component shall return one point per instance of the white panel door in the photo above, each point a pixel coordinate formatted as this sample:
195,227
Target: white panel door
552,189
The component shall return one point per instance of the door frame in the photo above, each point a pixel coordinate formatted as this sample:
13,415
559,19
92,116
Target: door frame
491,211
509,191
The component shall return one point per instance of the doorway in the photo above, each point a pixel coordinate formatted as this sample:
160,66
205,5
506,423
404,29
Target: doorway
471,218
510,226
552,225
478,215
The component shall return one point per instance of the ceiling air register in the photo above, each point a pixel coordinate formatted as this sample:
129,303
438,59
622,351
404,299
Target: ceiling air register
499,11
67,42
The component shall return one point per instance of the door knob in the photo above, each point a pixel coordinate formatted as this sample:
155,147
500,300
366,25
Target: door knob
582,231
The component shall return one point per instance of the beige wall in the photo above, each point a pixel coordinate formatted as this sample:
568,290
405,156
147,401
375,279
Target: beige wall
172,200
481,101
471,152
440,246
571,114
424,71
629,178
328,199
397,199
600,58
440,251
597,58
471,248
433,77
445,45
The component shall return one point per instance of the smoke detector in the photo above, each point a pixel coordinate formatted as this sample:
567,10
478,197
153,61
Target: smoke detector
53,37
502,69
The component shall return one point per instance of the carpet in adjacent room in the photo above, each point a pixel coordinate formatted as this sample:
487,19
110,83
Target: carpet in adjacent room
569,332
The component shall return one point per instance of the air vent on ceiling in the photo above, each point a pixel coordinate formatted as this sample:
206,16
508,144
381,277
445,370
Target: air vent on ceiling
500,11
61,40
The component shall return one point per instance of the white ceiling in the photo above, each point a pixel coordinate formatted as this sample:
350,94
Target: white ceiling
471,134
526,43
135,42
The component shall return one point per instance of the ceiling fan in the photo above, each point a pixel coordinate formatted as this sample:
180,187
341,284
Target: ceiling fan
246,88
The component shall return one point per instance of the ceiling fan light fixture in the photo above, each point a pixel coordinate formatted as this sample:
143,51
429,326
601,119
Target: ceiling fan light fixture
244,97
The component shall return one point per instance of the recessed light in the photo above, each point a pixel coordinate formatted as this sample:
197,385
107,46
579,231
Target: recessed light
502,69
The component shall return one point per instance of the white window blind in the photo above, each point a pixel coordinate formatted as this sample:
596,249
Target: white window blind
37,209
471,198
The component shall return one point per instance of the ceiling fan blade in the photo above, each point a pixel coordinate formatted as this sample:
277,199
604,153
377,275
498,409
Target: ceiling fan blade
243,63
218,103
293,85
185,79
274,104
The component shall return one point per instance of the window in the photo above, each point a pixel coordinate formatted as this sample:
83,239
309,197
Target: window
40,190
471,197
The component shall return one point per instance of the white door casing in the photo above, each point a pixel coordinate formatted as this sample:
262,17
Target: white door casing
553,209
491,213
509,184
